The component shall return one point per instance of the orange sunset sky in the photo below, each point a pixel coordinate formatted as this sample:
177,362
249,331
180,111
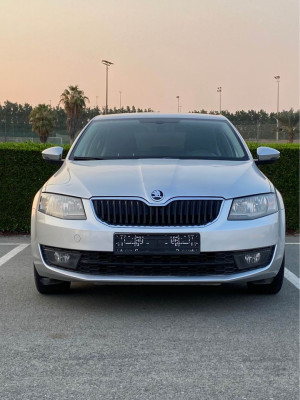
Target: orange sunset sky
160,49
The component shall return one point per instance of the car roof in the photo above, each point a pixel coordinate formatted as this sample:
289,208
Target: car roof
150,115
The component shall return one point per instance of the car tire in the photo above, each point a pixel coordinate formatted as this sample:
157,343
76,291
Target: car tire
268,288
50,286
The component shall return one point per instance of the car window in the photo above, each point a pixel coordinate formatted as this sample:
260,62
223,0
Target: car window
160,138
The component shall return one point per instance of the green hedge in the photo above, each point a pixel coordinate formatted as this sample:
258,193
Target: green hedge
285,176
23,172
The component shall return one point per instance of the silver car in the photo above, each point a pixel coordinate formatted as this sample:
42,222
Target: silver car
158,199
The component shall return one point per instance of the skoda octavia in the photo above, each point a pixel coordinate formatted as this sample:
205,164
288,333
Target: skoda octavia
158,199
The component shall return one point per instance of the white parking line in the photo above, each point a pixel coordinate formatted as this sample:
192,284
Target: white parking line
12,253
292,278
9,244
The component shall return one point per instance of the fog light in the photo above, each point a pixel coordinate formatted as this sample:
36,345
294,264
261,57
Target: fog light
60,257
254,258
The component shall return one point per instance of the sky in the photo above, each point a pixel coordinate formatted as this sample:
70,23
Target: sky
160,49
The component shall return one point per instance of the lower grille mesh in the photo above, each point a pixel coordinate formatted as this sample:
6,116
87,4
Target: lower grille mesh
153,265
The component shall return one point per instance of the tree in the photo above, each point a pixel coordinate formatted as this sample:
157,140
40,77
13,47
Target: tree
288,121
41,119
74,101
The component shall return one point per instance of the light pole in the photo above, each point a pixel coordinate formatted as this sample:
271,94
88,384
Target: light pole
97,101
120,99
219,90
4,120
178,107
277,77
107,64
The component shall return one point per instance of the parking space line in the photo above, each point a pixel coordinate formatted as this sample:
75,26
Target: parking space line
292,278
9,244
13,253
297,244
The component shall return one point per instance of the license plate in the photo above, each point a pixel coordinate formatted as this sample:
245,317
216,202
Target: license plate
152,243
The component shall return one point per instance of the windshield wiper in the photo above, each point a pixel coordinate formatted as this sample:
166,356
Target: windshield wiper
77,158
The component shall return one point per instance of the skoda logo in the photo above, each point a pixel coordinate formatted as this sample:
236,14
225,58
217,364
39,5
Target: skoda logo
157,195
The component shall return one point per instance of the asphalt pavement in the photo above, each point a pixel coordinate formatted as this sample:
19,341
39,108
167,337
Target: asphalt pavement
146,342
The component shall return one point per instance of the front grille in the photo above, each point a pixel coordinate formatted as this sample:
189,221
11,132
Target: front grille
176,213
203,264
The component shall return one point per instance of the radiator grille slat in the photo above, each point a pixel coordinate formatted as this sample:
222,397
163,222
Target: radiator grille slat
119,212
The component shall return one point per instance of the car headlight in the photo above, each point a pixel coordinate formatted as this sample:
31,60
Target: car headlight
252,207
60,206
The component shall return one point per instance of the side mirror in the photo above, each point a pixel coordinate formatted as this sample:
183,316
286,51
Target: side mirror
266,155
53,155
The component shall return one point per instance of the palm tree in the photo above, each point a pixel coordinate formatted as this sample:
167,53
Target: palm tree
41,119
288,121
73,100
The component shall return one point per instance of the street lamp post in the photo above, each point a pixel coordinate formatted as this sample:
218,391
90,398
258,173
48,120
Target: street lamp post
107,64
277,77
178,107
219,90
120,99
4,120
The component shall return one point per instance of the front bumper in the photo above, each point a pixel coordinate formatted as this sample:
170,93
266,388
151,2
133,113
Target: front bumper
220,236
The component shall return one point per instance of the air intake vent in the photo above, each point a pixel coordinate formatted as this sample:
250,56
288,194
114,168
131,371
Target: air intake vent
176,213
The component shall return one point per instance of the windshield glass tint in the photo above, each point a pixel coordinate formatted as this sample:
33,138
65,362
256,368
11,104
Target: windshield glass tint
160,138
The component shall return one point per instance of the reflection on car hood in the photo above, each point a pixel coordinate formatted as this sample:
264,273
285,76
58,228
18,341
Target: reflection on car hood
175,178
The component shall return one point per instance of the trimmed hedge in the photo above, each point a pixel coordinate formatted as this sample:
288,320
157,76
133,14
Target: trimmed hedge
23,172
284,174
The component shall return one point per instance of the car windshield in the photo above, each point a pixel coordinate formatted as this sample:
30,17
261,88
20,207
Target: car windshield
179,138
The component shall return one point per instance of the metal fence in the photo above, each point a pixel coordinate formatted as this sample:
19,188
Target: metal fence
21,132
263,132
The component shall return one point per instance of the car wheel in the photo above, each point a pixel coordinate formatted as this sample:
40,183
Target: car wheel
268,288
50,286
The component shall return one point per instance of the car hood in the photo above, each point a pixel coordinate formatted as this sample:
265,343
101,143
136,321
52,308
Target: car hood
175,178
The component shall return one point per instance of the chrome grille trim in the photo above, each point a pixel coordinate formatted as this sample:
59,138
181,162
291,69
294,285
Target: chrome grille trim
176,212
